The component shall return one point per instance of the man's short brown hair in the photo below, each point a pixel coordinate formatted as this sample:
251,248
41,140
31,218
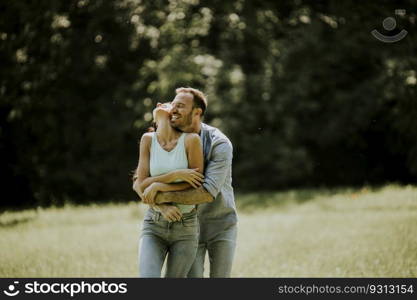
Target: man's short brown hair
199,98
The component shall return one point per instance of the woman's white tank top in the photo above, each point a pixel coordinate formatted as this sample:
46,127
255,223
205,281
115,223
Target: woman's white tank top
162,161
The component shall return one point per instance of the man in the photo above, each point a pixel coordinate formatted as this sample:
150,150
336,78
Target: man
217,212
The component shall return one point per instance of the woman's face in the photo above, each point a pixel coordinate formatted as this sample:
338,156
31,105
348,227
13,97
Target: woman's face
162,110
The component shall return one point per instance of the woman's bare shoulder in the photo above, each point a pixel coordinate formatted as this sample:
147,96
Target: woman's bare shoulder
192,141
192,138
146,138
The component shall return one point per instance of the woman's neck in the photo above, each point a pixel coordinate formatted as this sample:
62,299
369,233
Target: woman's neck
165,131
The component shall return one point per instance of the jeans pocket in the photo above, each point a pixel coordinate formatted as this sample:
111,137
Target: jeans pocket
149,220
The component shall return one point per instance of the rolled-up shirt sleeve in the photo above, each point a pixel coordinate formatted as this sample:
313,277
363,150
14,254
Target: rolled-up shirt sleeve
218,167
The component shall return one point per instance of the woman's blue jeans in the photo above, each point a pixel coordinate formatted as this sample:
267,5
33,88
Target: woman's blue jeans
161,238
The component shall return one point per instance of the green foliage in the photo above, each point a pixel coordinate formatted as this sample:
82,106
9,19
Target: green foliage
306,94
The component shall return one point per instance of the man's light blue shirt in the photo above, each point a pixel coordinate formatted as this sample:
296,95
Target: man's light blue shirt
218,155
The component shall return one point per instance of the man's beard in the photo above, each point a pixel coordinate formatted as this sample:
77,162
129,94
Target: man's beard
186,121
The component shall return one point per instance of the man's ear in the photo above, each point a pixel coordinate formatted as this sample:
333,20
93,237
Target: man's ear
199,111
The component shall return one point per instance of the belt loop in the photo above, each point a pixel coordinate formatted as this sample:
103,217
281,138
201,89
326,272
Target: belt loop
155,216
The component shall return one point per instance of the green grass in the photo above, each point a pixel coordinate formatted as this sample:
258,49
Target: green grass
300,233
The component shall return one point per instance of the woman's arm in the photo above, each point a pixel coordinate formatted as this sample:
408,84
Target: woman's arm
217,169
193,175
169,212
142,171
194,150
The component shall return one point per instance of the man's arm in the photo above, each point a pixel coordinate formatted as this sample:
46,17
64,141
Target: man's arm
189,196
215,175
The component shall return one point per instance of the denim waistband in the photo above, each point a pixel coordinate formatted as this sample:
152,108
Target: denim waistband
157,216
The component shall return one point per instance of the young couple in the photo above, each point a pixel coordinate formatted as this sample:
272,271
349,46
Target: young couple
184,175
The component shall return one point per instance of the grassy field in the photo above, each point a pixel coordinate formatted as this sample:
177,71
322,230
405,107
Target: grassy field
301,233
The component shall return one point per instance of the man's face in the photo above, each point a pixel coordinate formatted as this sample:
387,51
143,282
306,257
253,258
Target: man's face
182,111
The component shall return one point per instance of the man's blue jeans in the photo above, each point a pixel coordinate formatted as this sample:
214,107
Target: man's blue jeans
159,238
220,242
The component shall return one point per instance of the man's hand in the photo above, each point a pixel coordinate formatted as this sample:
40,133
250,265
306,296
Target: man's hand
192,176
149,194
170,212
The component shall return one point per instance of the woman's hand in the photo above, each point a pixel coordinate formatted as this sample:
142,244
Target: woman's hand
149,194
170,212
192,176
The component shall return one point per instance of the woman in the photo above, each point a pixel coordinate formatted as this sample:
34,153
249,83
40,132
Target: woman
168,161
